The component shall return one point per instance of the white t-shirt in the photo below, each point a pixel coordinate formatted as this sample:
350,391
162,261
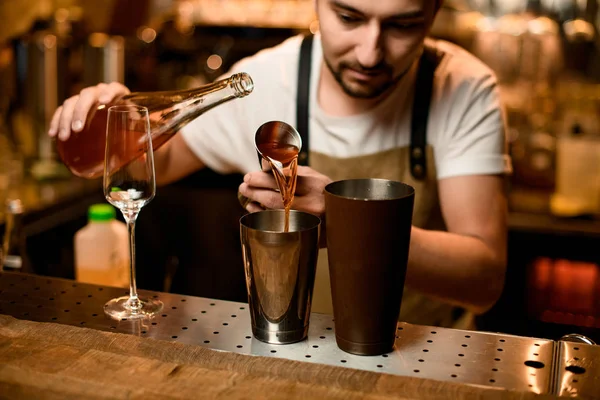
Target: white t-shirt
465,129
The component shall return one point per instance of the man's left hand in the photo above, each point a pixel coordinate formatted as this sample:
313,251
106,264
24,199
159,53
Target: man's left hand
261,188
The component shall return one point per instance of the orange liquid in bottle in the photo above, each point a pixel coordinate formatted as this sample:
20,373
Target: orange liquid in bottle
169,111
83,153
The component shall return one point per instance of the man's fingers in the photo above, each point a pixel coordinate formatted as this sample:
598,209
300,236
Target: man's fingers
73,113
310,204
306,185
254,207
64,126
267,197
260,179
53,130
87,98
108,92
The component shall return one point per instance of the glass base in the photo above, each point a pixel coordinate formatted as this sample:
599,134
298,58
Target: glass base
124,308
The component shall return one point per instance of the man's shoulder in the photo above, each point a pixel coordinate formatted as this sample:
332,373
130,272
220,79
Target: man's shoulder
459,64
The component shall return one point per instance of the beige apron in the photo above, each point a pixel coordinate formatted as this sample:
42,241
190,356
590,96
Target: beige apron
392,164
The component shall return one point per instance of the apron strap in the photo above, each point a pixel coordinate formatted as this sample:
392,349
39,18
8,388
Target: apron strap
422,100
303,96
420,113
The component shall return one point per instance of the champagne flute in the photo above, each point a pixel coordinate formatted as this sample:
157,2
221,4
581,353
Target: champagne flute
129,186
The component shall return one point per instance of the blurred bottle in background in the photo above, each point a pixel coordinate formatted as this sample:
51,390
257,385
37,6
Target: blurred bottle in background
102,249
14,252
577,191
45,74
11,164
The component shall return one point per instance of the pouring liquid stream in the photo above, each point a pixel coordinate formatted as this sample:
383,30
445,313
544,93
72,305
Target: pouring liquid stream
283,159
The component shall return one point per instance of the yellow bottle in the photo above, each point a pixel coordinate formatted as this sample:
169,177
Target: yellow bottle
102,249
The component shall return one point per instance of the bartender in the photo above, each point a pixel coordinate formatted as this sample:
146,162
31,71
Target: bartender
374,97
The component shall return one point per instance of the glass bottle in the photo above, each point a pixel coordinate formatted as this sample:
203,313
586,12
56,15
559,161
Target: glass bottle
14,256
83,152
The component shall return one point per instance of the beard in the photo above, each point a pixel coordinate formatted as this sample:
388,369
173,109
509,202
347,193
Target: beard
383,74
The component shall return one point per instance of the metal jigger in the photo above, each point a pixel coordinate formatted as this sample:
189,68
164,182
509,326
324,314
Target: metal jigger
272,131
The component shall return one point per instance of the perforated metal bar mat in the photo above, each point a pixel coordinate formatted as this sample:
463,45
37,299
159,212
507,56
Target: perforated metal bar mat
577,370
476,358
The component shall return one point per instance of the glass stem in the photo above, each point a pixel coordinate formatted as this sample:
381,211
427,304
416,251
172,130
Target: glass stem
134,301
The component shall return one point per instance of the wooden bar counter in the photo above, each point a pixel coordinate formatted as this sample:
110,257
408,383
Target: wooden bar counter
55,342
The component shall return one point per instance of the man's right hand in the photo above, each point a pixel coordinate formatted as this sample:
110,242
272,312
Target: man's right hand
72,114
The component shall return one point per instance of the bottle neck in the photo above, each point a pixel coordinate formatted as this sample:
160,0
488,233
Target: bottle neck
237,85
170,110
199,100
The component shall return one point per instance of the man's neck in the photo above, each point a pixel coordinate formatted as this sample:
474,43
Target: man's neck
334,101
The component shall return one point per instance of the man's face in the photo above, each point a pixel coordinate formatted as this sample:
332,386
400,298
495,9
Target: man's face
369,45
